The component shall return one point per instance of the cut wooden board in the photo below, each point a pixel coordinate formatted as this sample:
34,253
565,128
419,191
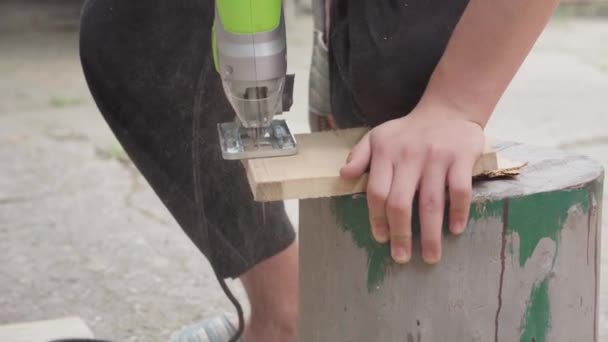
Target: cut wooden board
315,171
45,331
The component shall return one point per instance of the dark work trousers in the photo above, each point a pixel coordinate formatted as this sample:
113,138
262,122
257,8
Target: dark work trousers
149,67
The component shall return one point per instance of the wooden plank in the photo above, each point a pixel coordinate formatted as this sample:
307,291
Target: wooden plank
315,171
45,331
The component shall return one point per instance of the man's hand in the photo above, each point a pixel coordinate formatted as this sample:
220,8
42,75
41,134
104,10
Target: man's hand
430,149
438,143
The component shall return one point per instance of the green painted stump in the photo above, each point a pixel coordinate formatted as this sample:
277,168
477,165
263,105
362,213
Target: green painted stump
526,269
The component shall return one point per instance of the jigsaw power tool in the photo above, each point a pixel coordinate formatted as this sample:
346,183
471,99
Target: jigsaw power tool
250,54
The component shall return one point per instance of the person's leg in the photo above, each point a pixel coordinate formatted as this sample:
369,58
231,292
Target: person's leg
272,288
149,67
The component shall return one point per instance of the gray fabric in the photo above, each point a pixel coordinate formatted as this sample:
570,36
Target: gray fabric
318,90
382,54
318,15
149,67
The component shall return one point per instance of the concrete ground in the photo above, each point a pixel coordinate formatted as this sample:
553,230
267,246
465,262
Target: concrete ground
81,233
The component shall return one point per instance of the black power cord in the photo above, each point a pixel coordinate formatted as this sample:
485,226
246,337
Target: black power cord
239,309
198,194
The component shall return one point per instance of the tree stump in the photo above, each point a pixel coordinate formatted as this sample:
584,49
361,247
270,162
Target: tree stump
526,269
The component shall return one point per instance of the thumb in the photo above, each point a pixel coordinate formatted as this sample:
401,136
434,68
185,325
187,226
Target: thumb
358,160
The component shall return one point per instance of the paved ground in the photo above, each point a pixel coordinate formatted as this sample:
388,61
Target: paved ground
81,233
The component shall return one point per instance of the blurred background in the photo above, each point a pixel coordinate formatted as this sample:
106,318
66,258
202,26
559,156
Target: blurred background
81,232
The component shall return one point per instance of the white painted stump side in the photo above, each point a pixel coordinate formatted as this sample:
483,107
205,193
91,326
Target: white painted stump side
492,281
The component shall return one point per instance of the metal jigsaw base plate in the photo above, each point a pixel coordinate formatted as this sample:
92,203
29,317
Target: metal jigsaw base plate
275,141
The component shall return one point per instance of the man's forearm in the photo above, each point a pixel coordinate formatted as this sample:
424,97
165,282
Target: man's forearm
487,48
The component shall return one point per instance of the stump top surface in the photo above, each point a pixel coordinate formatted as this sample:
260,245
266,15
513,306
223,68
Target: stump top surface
547,170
